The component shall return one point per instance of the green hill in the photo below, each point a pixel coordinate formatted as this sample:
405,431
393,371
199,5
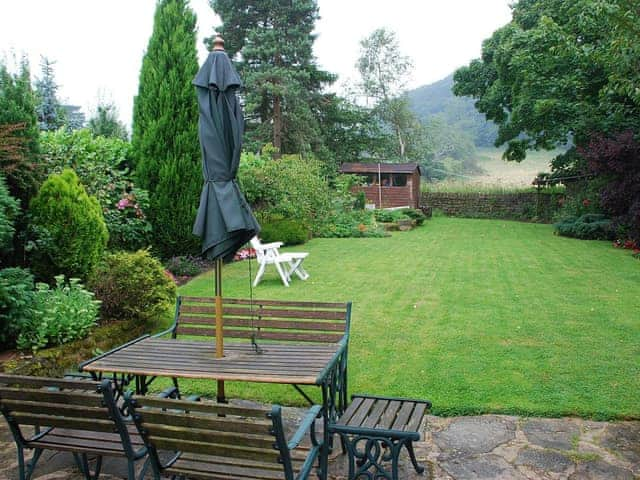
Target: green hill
437,102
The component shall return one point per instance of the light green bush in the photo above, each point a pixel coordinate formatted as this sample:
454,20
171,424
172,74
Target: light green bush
133,286
67,226
62,314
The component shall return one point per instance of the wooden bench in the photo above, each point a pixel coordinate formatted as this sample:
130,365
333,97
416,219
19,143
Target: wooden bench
223,442
374,430
67,415
268,321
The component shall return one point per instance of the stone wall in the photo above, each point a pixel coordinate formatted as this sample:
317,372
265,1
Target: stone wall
528,206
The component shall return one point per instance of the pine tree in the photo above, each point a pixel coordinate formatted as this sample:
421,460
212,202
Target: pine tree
165,128
50,113
283,82
105,122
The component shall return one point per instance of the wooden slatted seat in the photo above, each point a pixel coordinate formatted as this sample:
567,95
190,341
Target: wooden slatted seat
221,441
67,415
372,426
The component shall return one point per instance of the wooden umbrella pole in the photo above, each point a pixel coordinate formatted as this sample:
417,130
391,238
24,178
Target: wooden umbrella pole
219,324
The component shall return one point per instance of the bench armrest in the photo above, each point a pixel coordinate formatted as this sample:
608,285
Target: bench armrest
306,424
269,246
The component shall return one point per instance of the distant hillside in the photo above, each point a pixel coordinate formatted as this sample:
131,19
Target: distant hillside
437,101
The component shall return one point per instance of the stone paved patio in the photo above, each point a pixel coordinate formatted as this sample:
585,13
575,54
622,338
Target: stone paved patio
483,447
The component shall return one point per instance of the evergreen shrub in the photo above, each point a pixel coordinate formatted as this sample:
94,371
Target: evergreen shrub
16,303
279,229
9,209
68,226
61,314
590,226
133,286
414,214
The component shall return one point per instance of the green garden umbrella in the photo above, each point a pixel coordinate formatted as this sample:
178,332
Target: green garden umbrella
224,220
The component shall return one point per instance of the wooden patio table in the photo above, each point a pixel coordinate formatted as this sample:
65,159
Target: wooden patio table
303,364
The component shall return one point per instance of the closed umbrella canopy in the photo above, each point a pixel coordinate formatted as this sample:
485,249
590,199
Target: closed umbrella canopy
224,220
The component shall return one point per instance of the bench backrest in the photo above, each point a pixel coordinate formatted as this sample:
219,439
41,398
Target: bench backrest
238,434
50,403
271,320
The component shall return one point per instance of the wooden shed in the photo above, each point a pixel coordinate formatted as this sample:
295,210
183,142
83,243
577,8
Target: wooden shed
388,185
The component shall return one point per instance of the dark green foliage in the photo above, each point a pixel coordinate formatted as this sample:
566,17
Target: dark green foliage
390,216
165,129
133,286
284,98
18,132
51,115
278,229
105,122
414,214
69,228
101,164
350,224
590,226
187,265
16,303
9,209
63,313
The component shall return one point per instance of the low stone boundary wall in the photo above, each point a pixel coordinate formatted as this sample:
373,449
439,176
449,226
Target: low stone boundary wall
526,206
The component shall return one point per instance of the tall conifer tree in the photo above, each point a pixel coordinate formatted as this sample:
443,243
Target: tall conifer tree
165,128
51,115
283,83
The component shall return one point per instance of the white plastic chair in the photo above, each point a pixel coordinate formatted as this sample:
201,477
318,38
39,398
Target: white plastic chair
286,263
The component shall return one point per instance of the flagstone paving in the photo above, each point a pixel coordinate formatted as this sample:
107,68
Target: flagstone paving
458,448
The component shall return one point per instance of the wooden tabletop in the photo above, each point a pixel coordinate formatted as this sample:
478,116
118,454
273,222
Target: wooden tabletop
303,364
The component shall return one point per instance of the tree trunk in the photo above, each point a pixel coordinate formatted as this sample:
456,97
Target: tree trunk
277,126
401,143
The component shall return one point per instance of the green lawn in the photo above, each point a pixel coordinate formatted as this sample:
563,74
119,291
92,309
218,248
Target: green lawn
476,315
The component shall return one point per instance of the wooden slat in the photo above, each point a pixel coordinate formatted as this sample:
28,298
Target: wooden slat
57,409
266,335
264,323
362,412
191,458
375,414
209,311
210,436
403,416
351,409
64,422
389,416
71,398
43,382
162,443
413,424
200,421
209,408
244,301
227,470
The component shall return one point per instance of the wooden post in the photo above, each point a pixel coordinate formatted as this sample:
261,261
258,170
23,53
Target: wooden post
219,324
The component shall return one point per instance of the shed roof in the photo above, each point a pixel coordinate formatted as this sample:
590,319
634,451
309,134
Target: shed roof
384,167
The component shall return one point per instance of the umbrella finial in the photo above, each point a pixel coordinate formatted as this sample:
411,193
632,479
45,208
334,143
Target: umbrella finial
218,44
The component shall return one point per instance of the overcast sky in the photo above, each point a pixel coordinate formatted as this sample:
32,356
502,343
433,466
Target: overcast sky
98,45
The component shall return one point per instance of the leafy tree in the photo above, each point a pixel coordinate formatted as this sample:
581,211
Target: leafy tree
384,72
165,128
51,115
273,43
105,122
558,72
18,132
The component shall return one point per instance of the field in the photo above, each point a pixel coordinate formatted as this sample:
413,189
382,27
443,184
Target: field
477,315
